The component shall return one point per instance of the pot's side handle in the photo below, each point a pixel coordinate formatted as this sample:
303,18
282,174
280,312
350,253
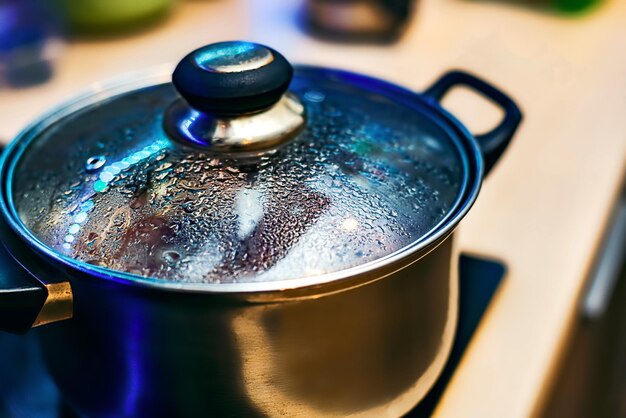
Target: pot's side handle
25,300
21,295
493,143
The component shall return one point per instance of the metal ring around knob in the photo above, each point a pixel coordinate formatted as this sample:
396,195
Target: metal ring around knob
234,100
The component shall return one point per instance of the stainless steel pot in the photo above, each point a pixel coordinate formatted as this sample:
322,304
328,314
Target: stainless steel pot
227,248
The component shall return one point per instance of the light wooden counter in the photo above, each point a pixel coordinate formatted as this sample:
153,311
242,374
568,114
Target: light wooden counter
543,208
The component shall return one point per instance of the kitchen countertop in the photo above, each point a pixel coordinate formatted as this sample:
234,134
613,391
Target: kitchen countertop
543,208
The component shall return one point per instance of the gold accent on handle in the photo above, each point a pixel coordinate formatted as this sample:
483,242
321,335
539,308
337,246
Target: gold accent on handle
58,305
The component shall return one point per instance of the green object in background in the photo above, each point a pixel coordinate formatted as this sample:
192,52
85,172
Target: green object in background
101,16
574,5
571,7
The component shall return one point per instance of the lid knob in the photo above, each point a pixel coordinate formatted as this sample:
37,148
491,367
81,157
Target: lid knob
232,78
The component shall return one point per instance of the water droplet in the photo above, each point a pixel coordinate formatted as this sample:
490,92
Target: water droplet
314,96
95,163
171,257
163,166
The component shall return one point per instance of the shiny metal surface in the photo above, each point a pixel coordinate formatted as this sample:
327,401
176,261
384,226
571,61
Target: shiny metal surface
242,136
347,173
233,57
372,351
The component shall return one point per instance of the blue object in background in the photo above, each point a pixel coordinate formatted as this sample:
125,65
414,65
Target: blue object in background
29,31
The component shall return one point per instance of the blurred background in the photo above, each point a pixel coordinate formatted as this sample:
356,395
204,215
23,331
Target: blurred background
553,342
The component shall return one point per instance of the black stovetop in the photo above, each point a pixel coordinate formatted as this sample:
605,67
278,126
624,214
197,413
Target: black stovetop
26,390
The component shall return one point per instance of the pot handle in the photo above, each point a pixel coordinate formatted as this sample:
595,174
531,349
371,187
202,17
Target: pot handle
493,143
26,301
21,295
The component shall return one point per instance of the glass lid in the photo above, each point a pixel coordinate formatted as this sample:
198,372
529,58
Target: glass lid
225,180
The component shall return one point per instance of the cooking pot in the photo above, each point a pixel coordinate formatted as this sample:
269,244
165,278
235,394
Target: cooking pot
248,239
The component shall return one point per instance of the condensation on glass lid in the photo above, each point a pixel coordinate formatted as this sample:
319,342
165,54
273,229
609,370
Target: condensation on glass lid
362,181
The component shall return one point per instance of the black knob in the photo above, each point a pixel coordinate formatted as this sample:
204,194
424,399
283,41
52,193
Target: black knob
232,78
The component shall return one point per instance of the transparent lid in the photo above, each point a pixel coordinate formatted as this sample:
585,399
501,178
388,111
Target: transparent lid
367,175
